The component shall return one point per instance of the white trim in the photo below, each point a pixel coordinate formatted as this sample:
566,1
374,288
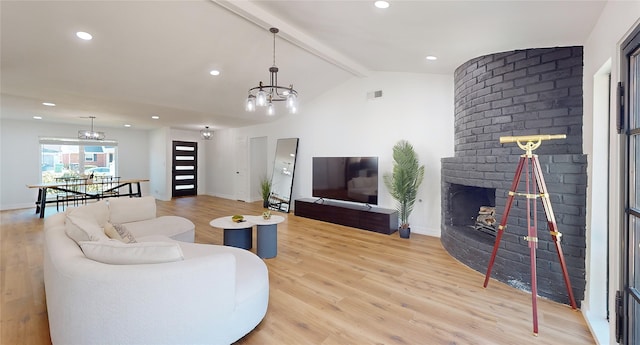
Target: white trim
76,141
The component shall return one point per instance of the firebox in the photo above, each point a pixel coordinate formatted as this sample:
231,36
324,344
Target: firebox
465,204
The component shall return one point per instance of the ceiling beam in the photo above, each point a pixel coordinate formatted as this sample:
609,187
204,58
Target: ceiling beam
294,35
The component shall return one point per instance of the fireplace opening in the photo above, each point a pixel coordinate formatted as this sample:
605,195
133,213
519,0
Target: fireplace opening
472,207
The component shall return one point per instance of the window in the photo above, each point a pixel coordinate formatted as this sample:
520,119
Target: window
63,158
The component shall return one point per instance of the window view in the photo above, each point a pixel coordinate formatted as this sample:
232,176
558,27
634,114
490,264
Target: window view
76,161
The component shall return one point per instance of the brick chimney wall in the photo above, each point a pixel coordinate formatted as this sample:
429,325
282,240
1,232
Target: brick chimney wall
533,91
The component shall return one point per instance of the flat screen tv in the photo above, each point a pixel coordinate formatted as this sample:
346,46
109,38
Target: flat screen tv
346,178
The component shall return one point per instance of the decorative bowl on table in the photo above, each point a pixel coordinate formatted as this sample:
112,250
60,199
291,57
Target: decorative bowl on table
237,218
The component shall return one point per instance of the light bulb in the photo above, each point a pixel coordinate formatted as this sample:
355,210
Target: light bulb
270,110
251,104
261,98
291,101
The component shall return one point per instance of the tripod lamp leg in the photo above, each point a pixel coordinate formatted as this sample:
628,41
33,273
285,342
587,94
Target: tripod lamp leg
505,216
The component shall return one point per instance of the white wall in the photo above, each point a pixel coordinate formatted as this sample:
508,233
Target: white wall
258,166
342,122
20,157
601,56
159,164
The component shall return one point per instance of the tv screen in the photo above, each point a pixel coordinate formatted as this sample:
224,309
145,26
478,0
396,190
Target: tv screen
346,178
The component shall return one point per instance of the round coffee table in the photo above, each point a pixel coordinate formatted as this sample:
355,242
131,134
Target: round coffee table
267,234
235,234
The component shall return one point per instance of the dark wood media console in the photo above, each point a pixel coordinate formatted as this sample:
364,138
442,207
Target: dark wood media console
376,219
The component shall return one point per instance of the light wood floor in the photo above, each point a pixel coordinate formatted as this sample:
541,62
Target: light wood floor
329,284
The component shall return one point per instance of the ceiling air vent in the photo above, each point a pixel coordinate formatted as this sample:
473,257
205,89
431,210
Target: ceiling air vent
374,94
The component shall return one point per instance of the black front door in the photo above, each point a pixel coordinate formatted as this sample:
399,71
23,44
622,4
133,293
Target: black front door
185,169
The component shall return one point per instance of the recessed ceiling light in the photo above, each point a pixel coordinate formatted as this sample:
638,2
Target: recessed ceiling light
214,72
127,125
155,117
84,35
37,117
432,58
381,4
49,104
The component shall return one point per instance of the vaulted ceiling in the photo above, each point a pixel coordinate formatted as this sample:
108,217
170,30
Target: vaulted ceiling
153,57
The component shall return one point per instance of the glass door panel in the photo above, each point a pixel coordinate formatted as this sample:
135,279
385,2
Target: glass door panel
634,175
631,196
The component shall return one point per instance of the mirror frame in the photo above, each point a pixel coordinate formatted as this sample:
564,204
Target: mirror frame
277,203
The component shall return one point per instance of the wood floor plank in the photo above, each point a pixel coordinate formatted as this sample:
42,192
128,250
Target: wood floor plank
329,285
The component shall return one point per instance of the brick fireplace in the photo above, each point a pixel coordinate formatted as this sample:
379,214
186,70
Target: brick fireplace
533,91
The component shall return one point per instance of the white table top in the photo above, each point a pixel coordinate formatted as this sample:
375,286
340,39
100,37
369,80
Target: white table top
227,223
249,221
259,220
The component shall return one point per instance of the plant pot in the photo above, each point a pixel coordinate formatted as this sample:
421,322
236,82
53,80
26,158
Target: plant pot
404,233
265,203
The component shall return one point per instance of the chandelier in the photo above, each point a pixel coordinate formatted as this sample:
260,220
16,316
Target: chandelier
265,95
91,134
206,133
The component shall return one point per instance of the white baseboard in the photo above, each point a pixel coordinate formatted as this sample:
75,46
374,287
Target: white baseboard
17,206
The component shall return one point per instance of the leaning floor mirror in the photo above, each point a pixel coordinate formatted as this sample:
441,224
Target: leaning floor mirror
282,177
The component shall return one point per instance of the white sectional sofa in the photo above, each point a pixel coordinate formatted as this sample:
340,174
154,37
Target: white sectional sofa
162,289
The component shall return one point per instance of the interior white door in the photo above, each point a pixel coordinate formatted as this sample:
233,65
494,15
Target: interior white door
257,166
241,181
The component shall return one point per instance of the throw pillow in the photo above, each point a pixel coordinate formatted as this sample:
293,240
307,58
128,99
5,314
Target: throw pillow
98,211
128,210
115,252
119,232
83,229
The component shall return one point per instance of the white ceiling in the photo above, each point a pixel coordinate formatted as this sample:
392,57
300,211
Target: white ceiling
153,57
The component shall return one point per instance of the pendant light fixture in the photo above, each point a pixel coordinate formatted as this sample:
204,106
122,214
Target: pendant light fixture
265,95
91,134
206,133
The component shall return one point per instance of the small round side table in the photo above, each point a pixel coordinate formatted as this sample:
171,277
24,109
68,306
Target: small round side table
267,234
235,234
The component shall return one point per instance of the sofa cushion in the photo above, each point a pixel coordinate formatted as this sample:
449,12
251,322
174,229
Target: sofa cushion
251,272
83,229
98,211
178,228
117,253
127,210
119,232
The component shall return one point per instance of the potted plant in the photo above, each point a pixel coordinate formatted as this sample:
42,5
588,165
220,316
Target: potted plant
404,181
265,191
